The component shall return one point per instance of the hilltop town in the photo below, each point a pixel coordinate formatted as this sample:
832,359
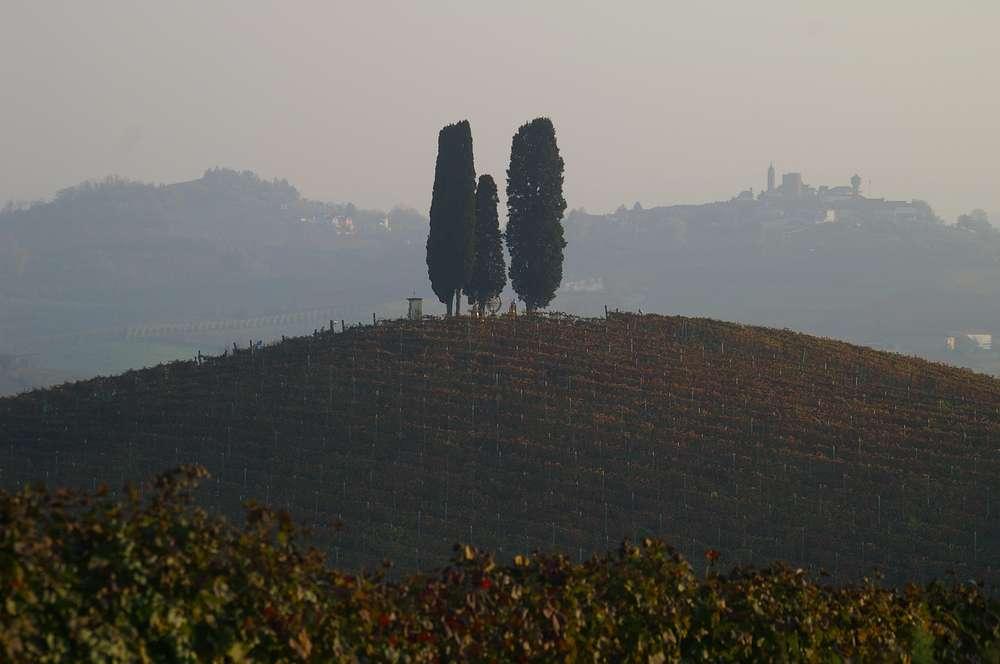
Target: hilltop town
795,199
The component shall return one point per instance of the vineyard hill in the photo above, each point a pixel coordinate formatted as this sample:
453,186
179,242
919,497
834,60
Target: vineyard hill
553,432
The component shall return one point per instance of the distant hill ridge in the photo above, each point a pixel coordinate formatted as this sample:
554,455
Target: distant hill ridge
555,432
222,204
114,254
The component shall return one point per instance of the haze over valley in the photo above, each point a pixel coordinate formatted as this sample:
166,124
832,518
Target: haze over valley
117,274
680,107
443,332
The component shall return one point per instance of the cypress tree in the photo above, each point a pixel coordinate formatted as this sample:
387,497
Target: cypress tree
450,241
488,268
535,207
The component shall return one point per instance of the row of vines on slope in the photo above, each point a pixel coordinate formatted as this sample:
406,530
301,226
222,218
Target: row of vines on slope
560,433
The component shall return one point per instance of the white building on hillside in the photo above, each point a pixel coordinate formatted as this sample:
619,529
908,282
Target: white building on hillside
974,339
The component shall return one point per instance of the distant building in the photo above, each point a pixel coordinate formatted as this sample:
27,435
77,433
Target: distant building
791,184
835,194
798,202
905,212
344,225
415,309
970,340
983,341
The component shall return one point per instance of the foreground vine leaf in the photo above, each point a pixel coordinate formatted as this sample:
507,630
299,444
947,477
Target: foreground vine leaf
149,576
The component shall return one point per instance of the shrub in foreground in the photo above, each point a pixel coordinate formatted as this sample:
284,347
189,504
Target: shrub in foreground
148,576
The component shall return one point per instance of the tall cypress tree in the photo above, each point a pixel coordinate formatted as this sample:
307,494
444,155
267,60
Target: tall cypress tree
489,271
535,207
451,239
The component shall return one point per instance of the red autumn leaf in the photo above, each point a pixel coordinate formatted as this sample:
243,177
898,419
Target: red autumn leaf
270,613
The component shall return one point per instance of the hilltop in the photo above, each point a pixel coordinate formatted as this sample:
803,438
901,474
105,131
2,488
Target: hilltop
221,229
78,270
889,276
554,432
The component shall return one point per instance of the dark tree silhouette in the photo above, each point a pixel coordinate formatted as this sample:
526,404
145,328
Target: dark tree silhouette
535,207
450,241
489,271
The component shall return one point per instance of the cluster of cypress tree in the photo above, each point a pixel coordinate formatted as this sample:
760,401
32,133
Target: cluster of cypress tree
535,207
464,245
451,240
488,268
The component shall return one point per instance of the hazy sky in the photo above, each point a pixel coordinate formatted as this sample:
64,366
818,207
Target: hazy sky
661,102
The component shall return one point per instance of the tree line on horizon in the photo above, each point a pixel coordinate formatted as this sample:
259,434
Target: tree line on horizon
465,244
